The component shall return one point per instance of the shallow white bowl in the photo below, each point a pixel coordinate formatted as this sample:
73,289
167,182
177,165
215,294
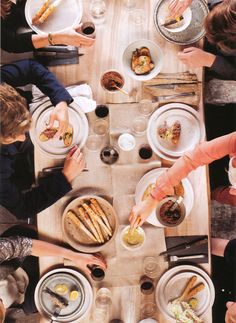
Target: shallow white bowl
187,15
132,247
156,55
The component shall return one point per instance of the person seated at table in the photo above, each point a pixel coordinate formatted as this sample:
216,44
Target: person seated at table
203,154
15,150
19,273
12,18
225,252
220,26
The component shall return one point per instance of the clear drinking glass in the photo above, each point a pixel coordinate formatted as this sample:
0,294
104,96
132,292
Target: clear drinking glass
98,10
137,16
94,142
151,267
100,127
139,126
103,298
129,3
148,309
146,107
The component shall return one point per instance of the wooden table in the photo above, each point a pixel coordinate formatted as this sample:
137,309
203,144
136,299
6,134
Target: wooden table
112,37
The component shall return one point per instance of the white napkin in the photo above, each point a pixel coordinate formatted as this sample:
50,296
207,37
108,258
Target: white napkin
82,95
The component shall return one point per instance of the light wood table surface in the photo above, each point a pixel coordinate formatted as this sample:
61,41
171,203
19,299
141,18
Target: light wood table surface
112,37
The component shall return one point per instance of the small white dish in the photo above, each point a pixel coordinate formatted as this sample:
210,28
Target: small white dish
156,56
187,17
126,142
130,246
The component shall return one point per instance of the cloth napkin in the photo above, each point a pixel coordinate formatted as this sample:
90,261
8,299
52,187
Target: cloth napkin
82,95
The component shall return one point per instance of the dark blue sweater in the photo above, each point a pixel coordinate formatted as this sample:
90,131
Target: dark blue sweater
49,190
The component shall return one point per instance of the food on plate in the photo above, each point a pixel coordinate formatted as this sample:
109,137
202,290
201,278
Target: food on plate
44,12
178,190
183,313
41,10
71,216
182,308
170,133
56,299
49,133
61,289
111,80
141,61
74,294
173,22
90,217
133,237
169,216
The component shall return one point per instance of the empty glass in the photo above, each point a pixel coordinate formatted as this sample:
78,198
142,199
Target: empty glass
103,298
129,3
151,267
98,10
146,107
139,126
94,142
100,127
137,16
148,309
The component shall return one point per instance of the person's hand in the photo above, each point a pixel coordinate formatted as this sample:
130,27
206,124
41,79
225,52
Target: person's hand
141,211
196,57
74,164
60,114
74,38
177,7
230,316
83,260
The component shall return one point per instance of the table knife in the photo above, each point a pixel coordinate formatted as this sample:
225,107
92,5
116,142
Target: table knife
169,97
177,258
186,245
57,169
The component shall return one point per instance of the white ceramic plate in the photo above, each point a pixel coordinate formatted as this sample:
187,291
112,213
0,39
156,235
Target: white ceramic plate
87,290
67,15
77,238
156,55
177,276
164,14
150,178
192,130
55,148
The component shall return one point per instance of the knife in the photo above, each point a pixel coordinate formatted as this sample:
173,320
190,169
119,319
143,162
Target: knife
172,21
186,245
57,169
169,97
171,86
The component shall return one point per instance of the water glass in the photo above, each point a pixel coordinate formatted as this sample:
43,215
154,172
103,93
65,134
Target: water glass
146,107
94,143
100,127
139,126
137,16
151,267
129,3
103,298
97,10
148,309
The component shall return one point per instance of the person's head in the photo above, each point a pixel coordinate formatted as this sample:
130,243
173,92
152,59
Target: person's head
5,7
2,312
230,316
15,117
220,26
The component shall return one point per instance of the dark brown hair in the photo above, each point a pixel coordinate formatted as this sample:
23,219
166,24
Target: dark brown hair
15,117
5,7
220,25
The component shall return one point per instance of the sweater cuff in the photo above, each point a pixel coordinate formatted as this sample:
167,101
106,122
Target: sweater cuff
60,177
64,96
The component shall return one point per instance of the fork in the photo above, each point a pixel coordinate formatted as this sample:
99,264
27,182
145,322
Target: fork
176,258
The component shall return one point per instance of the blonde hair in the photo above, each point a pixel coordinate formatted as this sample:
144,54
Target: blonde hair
220,25
15,117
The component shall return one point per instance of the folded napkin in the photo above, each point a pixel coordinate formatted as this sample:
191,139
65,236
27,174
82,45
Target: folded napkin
82,95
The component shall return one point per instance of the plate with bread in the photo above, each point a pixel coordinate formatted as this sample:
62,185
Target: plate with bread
174,129
44,138
148,182
53,16
89,223
143,59
184,292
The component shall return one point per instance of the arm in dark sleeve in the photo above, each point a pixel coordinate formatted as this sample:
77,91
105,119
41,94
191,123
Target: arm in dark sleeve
14,247
29,71
16,43
230,254
225,67
27,204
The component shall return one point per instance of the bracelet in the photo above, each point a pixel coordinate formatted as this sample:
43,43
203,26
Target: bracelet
50,39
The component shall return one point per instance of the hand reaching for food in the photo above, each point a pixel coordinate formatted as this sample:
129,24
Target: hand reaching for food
60,114
74,164
177,7
141,211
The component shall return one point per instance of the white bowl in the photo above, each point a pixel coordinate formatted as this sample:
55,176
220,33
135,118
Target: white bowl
132,247
187,15
156,55
126,142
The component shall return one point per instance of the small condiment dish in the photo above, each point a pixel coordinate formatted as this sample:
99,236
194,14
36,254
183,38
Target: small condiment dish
170,218
129,246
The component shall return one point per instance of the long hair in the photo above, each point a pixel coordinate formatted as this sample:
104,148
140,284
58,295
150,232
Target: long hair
220,25
5,7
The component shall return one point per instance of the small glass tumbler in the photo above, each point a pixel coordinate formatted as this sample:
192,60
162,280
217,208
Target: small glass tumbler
145,152
146,285
103,298
148,310
88,29
137,16
102,111
151,267
97,273
94,142
97,10
129,3
139,126
100,127
146,107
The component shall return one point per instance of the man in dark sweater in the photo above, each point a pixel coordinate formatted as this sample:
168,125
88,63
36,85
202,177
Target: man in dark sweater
15,122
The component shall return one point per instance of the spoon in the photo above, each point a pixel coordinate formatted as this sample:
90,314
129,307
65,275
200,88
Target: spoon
113,84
